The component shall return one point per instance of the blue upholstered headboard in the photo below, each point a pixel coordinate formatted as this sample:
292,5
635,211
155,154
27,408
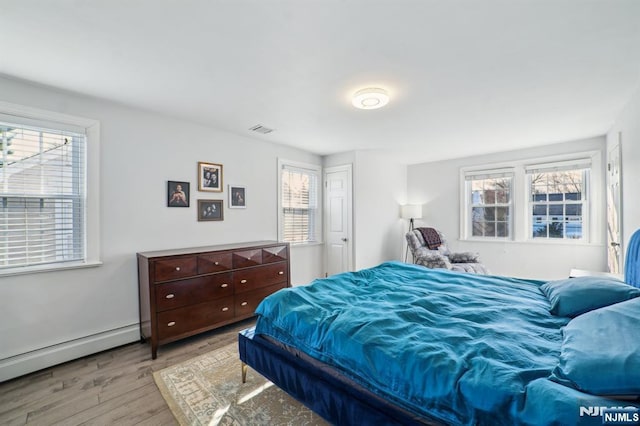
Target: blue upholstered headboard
632,261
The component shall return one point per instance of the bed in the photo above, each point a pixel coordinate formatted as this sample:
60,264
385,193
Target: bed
402,344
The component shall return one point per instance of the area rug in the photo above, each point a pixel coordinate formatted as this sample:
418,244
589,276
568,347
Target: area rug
208,390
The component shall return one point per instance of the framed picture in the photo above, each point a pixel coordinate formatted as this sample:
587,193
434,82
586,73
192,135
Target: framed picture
210,210
237,197
177,194
209,177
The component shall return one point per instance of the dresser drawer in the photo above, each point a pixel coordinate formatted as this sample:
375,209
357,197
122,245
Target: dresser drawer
174,268
274,254
214,262
246,303
262,276
194,290
245,258
188,318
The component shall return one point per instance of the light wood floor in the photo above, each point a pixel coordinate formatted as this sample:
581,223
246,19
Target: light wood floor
108,388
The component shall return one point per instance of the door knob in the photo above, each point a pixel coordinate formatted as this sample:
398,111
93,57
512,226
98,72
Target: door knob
344,240
614,244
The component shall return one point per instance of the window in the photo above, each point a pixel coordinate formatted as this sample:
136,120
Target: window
489,201
46,171
299,219
543,200
558,205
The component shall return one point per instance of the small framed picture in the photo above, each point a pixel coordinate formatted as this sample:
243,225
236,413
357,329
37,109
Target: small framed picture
177,194
210,210
237,197
209,177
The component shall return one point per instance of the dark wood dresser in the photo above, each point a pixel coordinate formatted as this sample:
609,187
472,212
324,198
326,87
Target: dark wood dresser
187,291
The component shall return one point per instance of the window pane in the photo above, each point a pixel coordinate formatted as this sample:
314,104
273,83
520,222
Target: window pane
490,214
573,196
556,230
573,209
503,183
573,230
540,229
476,197
477,214
476,185
502,214
489,196
556,209
539,210
502,229
502,196
477,229
539,196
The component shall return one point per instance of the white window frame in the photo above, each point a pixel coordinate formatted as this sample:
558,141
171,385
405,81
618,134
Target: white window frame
470,175
593,230
282,163
576,164
28,116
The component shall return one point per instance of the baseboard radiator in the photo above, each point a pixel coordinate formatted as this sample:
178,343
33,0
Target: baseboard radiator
38,359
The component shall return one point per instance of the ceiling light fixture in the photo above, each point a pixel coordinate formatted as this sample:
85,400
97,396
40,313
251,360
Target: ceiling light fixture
370,98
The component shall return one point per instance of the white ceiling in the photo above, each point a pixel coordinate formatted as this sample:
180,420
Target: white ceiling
465,76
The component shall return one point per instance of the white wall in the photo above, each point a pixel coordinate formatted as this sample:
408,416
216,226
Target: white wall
437,186
628,126
140,151
379,187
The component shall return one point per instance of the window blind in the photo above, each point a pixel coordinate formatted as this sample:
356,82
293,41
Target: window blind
488,174
299,204
559,166
42,195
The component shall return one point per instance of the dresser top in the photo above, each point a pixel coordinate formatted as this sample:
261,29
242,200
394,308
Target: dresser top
219,247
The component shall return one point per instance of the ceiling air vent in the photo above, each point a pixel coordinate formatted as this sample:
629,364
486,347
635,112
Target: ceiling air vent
261,129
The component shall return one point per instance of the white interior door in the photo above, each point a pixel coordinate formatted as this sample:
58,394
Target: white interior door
338,219
614,211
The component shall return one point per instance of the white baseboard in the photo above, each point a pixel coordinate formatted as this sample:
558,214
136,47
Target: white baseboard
29,362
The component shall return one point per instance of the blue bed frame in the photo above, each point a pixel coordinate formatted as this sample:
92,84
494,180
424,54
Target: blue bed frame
332,396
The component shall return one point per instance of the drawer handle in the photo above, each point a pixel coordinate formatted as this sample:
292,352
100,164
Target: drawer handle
225,309
170,296
244,303
243,281
281,273
216,263
171,324
225,285
178,268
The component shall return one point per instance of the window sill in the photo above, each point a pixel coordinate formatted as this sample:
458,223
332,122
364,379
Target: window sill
48,268
570,243
315,243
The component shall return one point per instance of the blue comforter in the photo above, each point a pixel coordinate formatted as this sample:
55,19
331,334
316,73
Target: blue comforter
461,348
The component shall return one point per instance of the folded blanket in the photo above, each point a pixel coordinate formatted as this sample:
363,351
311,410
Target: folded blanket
431,237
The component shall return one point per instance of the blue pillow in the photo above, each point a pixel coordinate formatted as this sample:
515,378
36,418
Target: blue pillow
575,296
601,351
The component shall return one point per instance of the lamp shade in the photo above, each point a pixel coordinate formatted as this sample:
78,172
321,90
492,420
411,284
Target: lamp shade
411,211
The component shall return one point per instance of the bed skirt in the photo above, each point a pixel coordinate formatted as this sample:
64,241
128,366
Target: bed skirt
320,387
